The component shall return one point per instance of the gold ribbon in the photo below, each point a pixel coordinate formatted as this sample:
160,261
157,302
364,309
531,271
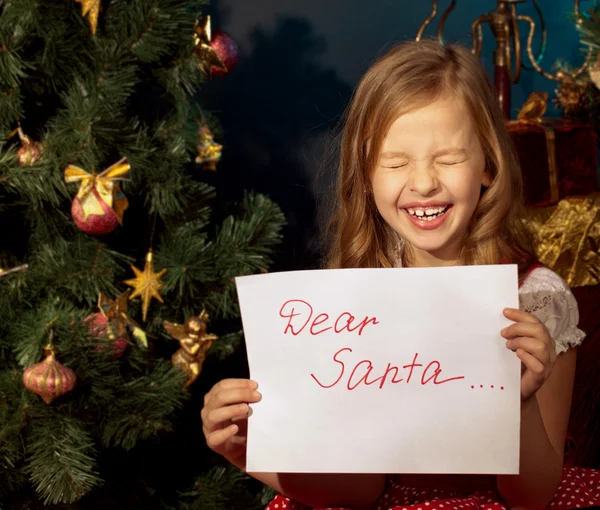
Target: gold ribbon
104,183
532,114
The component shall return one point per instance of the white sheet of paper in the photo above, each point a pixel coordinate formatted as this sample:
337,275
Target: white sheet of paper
327,406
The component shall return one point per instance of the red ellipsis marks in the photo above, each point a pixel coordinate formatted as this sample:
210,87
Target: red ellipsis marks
491,387
299,314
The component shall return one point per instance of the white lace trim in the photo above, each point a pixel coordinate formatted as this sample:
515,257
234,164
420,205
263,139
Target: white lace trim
545,295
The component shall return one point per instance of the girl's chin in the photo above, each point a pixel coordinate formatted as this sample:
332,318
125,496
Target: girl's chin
439,251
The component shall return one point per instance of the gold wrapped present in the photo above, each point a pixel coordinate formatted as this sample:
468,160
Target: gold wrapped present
567,238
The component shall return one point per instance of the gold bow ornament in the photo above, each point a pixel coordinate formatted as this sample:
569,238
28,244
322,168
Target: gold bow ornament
209,60
99,205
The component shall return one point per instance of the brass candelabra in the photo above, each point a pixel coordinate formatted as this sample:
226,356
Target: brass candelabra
508,59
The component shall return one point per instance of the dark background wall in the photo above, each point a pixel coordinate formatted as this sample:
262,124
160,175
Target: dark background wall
299,62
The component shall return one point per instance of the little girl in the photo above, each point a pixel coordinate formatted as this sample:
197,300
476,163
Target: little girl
427,177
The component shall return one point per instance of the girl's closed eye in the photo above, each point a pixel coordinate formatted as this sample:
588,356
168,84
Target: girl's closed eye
452,162
396,165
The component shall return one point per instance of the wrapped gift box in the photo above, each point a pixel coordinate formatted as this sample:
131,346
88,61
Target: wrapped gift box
566,238
558,158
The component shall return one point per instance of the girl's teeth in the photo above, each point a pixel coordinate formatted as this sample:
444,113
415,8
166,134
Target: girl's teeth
427,214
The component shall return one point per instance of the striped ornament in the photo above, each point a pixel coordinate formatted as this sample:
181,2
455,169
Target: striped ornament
49,379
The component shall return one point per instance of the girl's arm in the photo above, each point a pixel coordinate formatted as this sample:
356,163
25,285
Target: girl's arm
358,492
544,422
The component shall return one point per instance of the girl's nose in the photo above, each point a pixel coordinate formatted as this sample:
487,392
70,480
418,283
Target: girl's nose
423,180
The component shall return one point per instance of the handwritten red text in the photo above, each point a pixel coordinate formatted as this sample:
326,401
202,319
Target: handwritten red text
362,373
299,315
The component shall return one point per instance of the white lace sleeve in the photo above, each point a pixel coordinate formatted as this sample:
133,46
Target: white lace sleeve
545,295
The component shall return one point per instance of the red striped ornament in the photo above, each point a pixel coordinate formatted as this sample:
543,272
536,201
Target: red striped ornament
49,379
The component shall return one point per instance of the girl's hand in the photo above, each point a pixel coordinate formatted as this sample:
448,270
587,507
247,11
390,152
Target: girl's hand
225,418
534,346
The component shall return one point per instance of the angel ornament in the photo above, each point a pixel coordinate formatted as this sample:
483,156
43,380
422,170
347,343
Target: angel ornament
194,342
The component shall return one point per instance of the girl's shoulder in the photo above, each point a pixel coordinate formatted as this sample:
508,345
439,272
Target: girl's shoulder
546,295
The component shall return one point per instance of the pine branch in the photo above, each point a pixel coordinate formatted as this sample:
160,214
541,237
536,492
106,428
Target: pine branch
142,407
39,185
80,270
243,246
589,27
226,345
60,458
13,419
224,488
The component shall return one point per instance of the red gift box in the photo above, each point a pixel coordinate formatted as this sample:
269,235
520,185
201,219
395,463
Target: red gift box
558,158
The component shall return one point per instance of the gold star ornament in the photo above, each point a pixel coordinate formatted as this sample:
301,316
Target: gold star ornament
91,8
146,284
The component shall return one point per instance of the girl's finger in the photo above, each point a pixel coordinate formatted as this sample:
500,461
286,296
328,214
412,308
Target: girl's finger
534,365
244,417
520,316
228,384
215,418
218,437
534,330
533,346
234,396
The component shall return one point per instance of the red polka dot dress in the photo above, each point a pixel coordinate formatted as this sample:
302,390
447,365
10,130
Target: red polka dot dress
580,488
544,294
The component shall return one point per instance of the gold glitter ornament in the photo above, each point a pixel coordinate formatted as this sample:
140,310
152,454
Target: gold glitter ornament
209,151
91,9
146,284
49,379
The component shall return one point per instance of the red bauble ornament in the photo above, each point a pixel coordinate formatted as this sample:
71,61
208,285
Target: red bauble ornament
94,224
100,328
49,379
226,49
99,205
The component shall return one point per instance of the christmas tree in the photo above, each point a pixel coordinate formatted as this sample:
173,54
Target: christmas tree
117,258
578,93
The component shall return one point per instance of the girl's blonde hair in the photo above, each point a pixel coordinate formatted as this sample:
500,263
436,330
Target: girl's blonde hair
408,77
